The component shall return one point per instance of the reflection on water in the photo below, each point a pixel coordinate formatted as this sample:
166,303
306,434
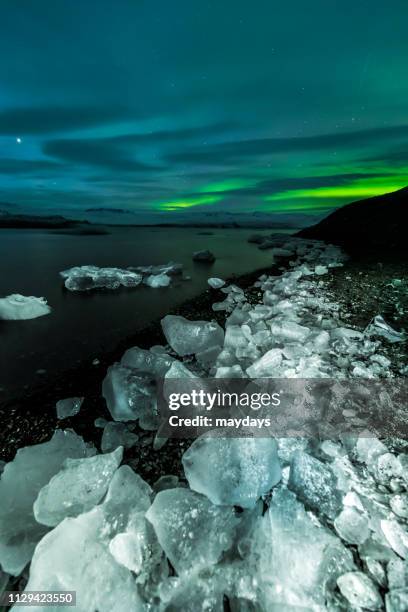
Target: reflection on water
82,325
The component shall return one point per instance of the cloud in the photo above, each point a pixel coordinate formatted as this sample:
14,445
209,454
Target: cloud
117,152
398,157
48,119
102,152
231,152
27,166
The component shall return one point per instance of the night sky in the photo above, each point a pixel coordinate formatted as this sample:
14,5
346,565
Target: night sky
201,106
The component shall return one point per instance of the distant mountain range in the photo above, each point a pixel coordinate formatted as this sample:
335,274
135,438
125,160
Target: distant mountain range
107,216
375,224
8,220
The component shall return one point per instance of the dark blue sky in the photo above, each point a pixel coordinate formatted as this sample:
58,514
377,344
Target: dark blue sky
159,105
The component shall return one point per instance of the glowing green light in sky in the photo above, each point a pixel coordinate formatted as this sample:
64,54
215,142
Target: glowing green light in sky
227,185
357,189
187,203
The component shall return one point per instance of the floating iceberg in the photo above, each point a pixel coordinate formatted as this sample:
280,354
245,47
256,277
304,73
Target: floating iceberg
18,307
157,280
85,278
170,269
204,256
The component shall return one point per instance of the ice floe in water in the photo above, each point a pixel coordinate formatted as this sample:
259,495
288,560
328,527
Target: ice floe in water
18,307
157,280
290,524
86,278
204,256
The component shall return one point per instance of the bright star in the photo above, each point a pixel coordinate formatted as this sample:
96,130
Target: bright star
18,140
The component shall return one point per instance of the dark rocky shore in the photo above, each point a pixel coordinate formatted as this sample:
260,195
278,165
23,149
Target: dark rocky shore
376,226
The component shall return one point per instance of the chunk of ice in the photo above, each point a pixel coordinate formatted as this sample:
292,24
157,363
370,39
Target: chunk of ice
191,530
396,536
216,283
77,488
69,407
150,362
204,256
267,365
399,505
235,338
278,251
290,331
115,435
126,549
352,526
21,480
87,565
187,337
234,371
378,327
320,270
171,269
369,448
127,393
157,280
85,278
360,591
285,537
232,471
315,484
18,307
396,600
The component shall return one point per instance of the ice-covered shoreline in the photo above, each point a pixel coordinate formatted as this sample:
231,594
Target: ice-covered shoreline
340,504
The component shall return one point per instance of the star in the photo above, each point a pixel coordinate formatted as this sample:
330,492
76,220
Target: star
18,140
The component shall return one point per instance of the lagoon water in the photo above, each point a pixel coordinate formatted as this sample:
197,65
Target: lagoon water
82,326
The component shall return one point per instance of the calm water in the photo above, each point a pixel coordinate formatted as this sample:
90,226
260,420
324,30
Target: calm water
82,326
